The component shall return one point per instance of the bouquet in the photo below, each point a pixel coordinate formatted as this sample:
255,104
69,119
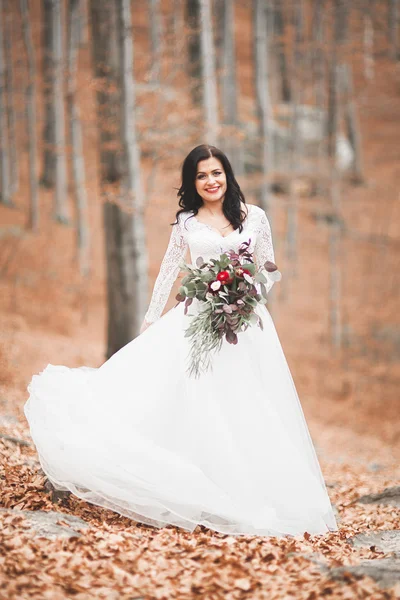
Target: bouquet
226,288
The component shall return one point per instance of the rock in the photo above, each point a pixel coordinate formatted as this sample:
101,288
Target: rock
336,513
385,571
389,496
384,541
46,524
375,467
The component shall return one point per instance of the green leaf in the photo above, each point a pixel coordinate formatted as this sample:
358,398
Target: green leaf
251,267
260,278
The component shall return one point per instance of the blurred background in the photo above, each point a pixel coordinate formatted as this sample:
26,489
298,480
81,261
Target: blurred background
100,102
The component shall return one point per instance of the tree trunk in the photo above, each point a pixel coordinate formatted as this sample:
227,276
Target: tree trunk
279,33
9,82
75,133
61,212
210,98
233,145
5,197
133,182
393,25
192,19
156,39
33,221
49,160
120,245
351,121
369,41
263,100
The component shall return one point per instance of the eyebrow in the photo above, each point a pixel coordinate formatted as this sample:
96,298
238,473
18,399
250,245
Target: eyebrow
216,169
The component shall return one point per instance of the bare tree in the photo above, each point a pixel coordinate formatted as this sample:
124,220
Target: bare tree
210,98
353,129
263,97
192,20
33,221
10,85
229,94
124,307
393,25
61,213
4,140
75,132
133,182
279,30
48,169
156,39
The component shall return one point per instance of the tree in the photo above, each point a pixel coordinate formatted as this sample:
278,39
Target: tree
125,305
33,221
229,93
9,89
75,132
61,213
48,169
210,98
263,98
4,146
192,20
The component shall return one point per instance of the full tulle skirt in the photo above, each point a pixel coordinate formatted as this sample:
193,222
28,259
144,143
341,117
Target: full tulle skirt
229,450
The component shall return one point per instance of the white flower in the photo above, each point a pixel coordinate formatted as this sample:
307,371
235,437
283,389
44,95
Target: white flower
215,286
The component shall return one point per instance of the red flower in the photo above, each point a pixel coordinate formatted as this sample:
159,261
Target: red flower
240,271
224,277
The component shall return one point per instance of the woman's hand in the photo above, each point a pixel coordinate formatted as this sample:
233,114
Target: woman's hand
144,326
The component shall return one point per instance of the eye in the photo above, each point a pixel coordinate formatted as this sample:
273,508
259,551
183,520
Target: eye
201,176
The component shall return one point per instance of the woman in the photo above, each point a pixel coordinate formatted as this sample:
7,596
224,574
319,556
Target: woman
229,450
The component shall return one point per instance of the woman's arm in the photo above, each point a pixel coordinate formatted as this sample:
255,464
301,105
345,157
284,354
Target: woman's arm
264,249
168,273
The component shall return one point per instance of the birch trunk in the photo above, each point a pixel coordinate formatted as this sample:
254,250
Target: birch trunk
279,33
61,212
263,100
48,168
234,147
123,318
156,39
393,26
210,98
75,133
133,182
33,221
5,197
10,85
192,19
351,121
292,231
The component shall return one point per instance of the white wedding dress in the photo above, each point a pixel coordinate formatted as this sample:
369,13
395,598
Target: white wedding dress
230,450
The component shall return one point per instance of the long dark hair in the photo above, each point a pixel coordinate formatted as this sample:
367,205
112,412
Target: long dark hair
190,200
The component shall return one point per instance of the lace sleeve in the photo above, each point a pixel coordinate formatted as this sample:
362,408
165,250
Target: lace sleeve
264,249
169,270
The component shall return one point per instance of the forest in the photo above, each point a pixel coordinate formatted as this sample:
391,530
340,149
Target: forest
100,101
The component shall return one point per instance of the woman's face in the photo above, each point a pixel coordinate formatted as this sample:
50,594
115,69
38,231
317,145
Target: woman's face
210,180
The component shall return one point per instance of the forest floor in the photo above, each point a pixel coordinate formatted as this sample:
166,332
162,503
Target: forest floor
95,553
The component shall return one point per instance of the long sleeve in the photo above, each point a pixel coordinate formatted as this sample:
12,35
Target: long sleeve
264,249
168,273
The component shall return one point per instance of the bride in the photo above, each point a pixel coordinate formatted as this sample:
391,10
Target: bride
230,450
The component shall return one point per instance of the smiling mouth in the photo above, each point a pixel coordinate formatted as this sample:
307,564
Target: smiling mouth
212,190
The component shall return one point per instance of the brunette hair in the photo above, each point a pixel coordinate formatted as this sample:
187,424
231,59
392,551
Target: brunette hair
190,200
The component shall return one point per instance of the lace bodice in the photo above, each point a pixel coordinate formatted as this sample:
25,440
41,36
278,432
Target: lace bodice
203,240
